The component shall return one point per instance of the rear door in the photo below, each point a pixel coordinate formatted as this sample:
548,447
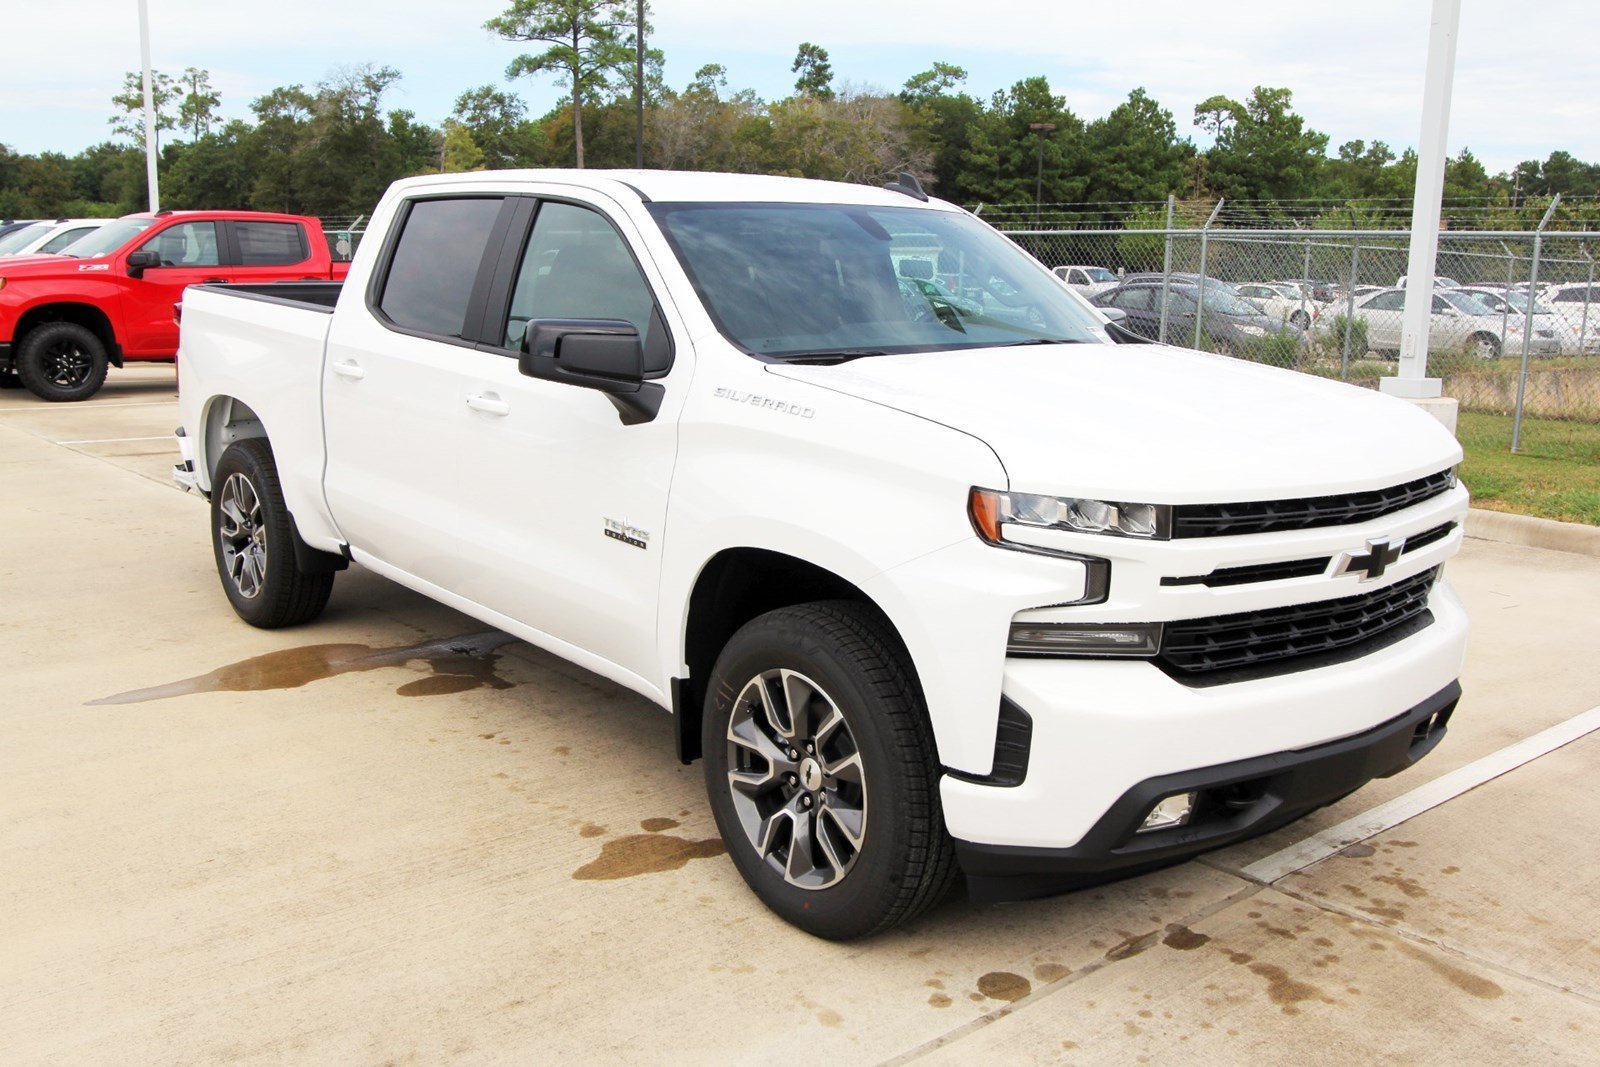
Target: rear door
1384,313
191,253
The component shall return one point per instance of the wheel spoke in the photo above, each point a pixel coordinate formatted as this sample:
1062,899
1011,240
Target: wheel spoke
847,769
798,693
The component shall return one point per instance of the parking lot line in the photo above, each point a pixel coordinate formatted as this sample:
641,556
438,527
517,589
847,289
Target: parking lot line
118,440
40,409
1320,846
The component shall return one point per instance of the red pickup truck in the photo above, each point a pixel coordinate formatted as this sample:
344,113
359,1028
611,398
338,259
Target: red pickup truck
109,299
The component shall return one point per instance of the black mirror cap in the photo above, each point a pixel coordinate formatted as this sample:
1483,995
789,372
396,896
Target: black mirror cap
601,354
139,262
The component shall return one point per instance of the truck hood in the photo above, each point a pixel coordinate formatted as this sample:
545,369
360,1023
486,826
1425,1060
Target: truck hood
1151,423
19,268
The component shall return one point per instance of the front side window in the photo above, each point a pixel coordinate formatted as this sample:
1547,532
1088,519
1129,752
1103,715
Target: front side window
1131,299
269,244
188,244
435,264
1390,301
576,266
819,280
65,238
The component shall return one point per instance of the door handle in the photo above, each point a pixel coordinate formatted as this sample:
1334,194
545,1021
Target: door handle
212,281
348,369
489,404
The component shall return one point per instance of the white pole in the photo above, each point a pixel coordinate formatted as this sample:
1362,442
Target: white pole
1412,380
149,107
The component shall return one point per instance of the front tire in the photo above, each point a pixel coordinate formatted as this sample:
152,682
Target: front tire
822,772
62,362
252,538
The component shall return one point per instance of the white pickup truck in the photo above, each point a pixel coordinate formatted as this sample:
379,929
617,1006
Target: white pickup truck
937,575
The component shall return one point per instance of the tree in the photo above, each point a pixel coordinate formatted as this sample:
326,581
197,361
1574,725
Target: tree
276,148
1263,150
1134,153
816,73
499,125
163,94
584,43
1003,158
198,108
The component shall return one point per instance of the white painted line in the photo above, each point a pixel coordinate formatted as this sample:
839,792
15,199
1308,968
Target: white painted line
40,409
119,440
1385,816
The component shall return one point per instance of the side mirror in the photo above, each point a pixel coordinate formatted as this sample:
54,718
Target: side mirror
1114,314
139,262
601,354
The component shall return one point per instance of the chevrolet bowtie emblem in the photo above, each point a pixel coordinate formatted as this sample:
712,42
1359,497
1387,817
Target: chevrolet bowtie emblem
1381,553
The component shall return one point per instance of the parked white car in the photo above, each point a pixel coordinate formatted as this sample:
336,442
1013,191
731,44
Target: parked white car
1577,303
1575,338
1458,320
1281,303
47,238
1086,281
930,591
1439,282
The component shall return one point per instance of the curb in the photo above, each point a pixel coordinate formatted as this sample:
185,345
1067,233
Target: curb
1526,530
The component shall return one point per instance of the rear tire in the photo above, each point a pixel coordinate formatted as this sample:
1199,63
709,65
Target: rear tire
822,772
62,362
253,537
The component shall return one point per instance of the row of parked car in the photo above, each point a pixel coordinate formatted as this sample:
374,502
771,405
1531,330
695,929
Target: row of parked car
29,237
1485,319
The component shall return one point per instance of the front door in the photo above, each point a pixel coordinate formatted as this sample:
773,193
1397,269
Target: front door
190,254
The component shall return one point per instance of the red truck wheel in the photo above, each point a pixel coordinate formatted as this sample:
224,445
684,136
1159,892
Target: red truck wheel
62,361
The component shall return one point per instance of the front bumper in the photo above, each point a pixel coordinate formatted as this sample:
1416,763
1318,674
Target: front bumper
1237,800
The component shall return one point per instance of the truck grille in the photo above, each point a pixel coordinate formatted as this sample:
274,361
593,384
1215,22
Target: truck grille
1267,516
1196,647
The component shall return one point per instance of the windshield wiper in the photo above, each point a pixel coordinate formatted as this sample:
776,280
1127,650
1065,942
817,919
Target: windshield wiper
1045,341
829,356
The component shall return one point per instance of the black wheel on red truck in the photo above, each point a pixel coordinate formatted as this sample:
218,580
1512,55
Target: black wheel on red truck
62,361
253,539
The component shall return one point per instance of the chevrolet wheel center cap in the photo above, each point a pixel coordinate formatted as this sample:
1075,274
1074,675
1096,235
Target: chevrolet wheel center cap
811,774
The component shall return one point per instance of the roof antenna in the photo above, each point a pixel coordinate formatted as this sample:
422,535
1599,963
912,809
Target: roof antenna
907,183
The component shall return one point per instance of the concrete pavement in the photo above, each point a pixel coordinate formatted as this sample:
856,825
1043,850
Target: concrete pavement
389,838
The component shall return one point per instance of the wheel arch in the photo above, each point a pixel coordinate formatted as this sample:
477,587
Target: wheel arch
88,316
224,420
734,586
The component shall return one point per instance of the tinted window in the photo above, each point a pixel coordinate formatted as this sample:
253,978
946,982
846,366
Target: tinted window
1391,301
577,267
188,244
269,244
435,264
65,238
1130,299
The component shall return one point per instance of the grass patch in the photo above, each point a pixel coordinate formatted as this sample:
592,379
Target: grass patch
1555,476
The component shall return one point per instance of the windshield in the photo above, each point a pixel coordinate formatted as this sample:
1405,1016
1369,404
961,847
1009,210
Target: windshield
17,238
1469,305
1099,274
796,280
1224,302
1520,302
107,238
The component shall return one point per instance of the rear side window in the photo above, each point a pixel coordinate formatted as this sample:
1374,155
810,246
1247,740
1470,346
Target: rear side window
270,244
435,263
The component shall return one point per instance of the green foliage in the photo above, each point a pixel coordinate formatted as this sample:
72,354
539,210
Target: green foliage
129,122
1263,150
816,73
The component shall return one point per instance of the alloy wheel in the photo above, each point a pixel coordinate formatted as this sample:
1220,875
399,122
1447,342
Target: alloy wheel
67,365
797,779
243,535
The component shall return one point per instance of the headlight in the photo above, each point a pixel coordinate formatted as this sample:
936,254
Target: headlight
992,509
2,283
1253,331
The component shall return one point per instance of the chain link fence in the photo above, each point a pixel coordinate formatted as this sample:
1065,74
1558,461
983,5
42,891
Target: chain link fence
1514,333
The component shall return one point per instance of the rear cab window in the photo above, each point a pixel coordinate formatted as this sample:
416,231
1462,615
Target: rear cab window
269,244
428,280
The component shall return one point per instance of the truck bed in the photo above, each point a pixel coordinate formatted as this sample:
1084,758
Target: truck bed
316,296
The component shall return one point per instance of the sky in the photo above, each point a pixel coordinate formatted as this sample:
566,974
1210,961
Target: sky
1526,81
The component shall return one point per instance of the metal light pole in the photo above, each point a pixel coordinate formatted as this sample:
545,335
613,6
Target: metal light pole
149,107
638,86
1040,129
1412,380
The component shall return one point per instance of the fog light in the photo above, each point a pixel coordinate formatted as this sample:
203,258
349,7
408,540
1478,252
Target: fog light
1173,811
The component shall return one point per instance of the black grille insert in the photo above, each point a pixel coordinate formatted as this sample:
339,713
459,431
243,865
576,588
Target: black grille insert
1196,647
1266,516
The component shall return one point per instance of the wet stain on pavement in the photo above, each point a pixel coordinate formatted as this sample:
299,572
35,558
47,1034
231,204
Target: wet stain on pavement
635,854
939,1000
1464,980
1050,972
1132,946
1285,991
591,830
1357,851
457,665
658,824
1003,985
1183,939
1406,885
